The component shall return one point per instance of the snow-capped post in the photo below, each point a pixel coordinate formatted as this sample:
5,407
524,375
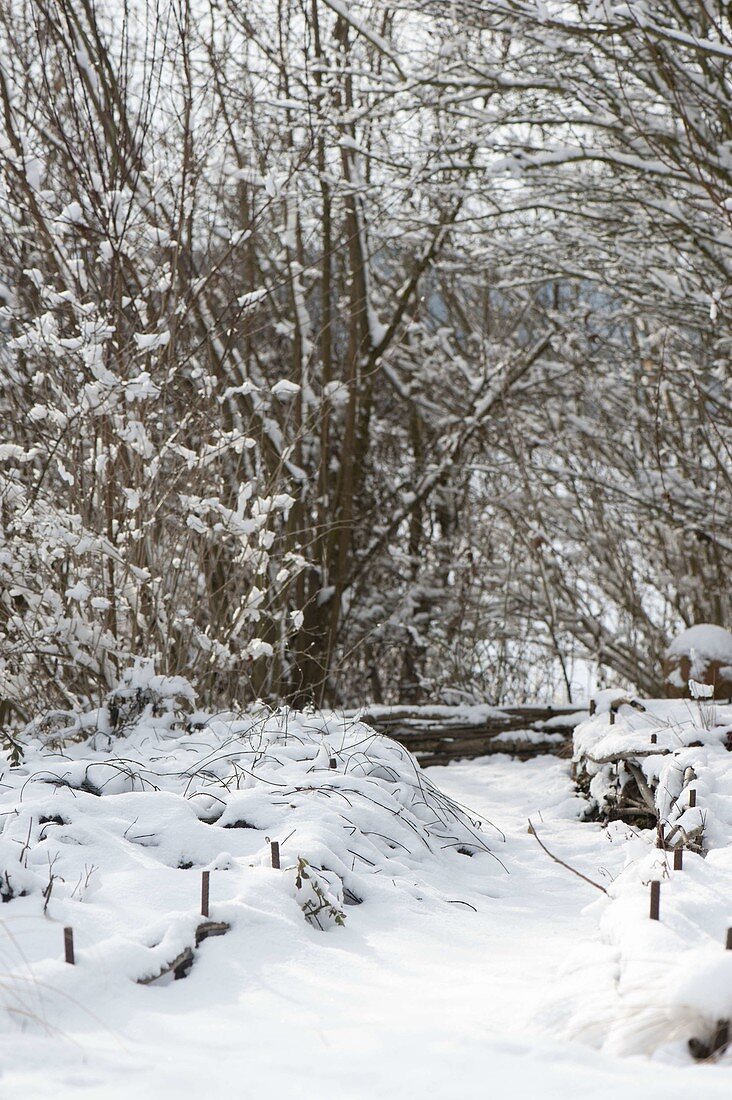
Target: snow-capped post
275,849
655,900
205,875
692,797
69,945
678,859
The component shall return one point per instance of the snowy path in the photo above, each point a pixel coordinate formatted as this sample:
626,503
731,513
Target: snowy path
407,1001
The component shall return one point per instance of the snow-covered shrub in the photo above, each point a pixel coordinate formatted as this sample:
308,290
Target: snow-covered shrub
353,813
142,692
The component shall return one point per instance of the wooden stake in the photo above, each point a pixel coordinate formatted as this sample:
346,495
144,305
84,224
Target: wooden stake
655,900
333,762
704,1052
593,707
654,738
69,945
729,939
275,849
612,717
720,1040
678,859
205,875
692,797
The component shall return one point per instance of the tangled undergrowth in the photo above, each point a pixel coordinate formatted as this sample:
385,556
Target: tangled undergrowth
146,782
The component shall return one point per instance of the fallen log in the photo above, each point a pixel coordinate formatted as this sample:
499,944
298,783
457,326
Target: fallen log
436,738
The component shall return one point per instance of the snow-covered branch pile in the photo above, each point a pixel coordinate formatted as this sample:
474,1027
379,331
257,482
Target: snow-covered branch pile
634,759
663,982
110,818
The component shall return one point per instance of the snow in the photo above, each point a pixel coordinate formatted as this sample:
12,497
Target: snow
142,386
530,737
248,301
151,341
453,973
674,723
703,640
285,389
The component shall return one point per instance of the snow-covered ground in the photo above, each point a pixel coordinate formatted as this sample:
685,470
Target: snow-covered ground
454,977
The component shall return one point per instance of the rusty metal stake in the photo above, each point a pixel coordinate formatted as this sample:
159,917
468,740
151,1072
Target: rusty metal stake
655,900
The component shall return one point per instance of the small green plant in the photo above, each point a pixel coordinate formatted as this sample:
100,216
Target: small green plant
13,748
316,898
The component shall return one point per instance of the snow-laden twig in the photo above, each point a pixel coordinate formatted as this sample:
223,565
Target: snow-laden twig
561,862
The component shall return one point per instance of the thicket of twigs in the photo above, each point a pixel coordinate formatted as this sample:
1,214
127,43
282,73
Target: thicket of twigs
360,351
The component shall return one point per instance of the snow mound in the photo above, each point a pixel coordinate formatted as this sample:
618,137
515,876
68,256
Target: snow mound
333,791
109,820
705,640
700,656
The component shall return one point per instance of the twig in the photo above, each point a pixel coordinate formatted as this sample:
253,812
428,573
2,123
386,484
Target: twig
26,846
561,862
645,791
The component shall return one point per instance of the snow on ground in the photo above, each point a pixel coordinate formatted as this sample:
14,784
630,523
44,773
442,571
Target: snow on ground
452,977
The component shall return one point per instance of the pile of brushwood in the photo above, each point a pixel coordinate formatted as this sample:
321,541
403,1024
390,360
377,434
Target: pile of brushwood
657,774
640,761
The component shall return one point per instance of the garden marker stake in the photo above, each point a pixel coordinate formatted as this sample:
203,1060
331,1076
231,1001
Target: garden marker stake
69,945
275,848
655,900
204,892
